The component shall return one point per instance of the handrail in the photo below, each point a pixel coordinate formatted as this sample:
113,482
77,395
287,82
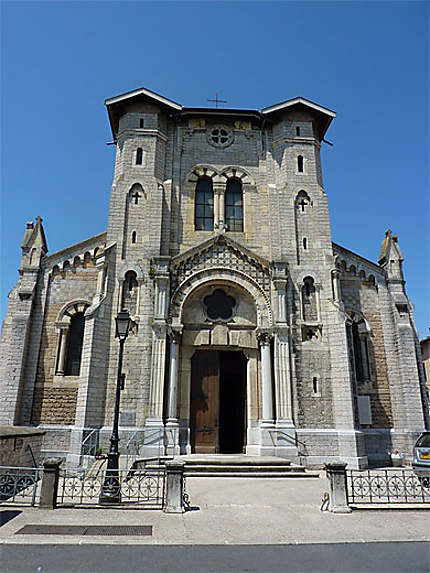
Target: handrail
288,437
28,449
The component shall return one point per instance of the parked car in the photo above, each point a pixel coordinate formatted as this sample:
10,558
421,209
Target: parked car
421,459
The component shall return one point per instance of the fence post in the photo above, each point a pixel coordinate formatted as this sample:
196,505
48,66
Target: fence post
336,475
174,486
48,493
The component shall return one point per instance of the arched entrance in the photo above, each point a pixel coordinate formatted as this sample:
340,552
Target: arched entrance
218,401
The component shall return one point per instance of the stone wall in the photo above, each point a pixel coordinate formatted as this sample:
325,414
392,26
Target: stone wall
55,396
14,442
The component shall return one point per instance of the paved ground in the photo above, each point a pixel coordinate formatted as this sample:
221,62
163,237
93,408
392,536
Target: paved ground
234,511
376,557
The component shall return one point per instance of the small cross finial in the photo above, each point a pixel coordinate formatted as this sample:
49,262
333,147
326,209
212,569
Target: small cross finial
217,101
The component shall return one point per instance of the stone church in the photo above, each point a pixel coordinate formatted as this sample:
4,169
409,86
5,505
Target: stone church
252,332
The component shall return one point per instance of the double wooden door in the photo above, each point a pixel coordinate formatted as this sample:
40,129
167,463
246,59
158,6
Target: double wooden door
218,402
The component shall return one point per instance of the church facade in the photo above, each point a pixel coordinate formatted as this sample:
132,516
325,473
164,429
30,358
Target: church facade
252,332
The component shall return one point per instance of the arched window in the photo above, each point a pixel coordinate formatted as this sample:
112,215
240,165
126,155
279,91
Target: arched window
74,346
360,347
139,156
297,130
300,163
204,205
129,292
133,237
234,205
309,303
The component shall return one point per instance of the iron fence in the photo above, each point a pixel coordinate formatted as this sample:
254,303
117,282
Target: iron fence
140,487
387,486
20,485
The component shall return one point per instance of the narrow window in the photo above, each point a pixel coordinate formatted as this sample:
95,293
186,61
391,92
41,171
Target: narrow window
139,156
234,205
141,124
129,292
300,163
305,243
75,342
135,193
309,304
315,385
204,205
133,237
297,130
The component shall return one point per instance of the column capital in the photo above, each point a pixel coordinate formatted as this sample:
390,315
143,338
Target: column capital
282,329
159,328
264,336
175,333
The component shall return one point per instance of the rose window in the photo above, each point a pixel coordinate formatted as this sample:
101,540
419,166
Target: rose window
219,305
220,136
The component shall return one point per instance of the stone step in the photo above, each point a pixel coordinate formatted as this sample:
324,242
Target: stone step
268,474
233,460
242,468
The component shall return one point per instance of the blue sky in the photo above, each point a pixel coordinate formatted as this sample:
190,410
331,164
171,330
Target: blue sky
368,61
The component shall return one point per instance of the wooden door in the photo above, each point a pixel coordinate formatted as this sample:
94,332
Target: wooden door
204,402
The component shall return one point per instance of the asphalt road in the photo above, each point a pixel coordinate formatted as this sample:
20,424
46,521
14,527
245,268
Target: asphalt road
371,557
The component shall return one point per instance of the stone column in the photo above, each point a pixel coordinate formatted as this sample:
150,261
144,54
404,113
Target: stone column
61,361
172,425
216,208
219,213
172,395
266,376
157,371
335,274
284,409
267,433
318,300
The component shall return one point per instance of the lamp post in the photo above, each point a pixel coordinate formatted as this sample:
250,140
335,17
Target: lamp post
111,490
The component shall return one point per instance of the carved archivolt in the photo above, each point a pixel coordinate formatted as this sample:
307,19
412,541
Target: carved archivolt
221,174
217,275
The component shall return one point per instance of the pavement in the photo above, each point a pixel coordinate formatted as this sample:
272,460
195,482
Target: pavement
230,511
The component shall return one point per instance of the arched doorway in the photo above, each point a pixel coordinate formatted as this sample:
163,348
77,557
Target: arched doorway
218,402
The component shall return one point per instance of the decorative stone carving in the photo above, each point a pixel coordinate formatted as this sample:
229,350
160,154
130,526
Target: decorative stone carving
221,254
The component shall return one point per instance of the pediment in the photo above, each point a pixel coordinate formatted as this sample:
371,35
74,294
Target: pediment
220,252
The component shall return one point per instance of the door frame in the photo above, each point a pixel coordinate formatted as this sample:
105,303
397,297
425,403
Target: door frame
245,397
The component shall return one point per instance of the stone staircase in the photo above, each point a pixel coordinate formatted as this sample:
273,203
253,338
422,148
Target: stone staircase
240,465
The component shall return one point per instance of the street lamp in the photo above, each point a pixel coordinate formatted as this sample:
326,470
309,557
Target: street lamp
111,490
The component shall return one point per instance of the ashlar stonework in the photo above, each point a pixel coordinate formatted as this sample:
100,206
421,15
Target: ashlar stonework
251,330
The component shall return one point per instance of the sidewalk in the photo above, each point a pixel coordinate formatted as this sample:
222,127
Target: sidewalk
233,511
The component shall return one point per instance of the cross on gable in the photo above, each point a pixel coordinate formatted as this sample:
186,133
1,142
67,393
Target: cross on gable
136,197
217,101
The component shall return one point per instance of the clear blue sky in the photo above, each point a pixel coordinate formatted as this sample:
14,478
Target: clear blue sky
368,61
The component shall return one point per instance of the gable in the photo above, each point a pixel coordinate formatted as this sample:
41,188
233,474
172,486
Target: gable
222,253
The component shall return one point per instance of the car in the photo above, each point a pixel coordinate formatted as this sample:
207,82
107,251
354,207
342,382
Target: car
421,459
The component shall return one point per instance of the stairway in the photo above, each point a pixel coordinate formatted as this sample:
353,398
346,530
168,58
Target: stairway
240,465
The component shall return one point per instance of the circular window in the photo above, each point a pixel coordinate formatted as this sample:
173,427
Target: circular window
219,305
220,136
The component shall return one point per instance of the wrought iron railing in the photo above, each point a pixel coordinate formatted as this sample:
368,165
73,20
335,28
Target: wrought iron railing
20,485
387,486
81,487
